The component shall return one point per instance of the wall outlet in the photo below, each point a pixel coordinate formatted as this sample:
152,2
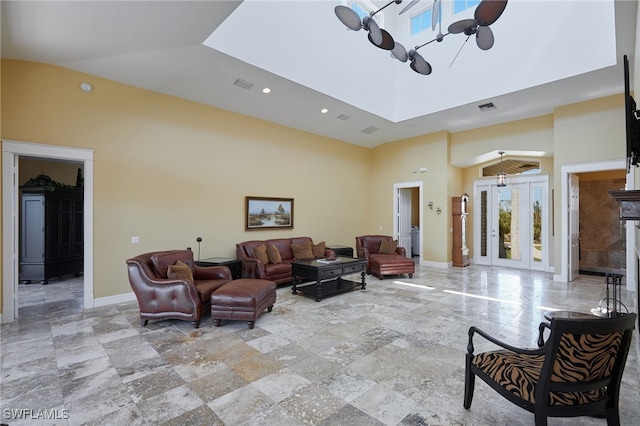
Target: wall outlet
135,240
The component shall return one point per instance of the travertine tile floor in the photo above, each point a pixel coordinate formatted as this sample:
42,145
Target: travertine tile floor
392,354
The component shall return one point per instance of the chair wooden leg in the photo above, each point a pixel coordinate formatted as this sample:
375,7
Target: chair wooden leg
613,417
144,322
217,322
196,324
469,382
250,324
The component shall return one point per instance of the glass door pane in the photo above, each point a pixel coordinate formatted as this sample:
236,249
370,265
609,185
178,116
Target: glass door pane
510,242
536,248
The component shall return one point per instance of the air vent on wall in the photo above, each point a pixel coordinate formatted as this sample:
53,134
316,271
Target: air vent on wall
486,107
369,130
343,117
243,83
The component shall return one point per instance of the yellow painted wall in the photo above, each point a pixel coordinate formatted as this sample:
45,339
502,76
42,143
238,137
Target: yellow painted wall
532,134
586,132
169,170
399,162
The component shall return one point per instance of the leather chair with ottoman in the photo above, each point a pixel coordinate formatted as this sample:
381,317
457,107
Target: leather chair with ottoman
168,284
244,299
384,256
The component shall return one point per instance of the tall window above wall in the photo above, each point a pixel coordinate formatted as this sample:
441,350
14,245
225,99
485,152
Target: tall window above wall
359,9
462,5
421,21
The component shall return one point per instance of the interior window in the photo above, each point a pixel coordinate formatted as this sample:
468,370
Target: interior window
421,21
462,5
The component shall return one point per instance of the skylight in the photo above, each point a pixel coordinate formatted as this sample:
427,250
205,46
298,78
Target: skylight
304,42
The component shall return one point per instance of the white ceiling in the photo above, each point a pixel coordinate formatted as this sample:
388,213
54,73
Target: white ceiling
547,54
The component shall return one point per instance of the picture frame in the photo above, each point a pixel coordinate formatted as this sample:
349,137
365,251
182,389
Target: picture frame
268,213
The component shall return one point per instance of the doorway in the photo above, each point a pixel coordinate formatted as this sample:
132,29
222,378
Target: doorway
513,223
11,153
567,176
406,206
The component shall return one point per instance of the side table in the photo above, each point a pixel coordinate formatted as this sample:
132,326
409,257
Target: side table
235,265
343,251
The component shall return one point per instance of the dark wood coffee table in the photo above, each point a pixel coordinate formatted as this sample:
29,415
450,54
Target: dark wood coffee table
326,278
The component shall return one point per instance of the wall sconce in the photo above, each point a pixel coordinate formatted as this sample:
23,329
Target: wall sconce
438,210
502,176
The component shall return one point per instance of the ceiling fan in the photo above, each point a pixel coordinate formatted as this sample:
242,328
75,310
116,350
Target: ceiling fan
486,13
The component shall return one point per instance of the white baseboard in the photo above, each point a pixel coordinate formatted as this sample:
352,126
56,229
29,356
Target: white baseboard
112,300
435,264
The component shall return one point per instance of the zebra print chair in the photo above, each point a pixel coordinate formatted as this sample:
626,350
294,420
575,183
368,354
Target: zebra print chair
576,372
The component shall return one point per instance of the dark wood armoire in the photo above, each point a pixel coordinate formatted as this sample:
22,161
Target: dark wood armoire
51,233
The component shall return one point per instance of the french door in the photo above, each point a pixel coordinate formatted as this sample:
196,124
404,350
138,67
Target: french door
511,223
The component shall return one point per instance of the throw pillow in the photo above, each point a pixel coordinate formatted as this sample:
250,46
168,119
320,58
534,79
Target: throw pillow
318,250
180,271
302,251
260,253
388,247
274,254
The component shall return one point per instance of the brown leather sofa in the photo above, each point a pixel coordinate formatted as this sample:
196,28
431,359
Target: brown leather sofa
387,263
278,272
161,298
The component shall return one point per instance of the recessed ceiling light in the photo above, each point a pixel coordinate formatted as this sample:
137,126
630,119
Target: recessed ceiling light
324,110
266,90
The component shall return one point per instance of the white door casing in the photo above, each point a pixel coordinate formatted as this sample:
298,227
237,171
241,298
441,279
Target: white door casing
11,152
404,219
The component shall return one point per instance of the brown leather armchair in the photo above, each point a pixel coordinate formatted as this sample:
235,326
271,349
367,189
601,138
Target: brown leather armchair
380,264
162,298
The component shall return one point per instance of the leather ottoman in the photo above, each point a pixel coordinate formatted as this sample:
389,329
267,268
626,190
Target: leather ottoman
394,264
244,299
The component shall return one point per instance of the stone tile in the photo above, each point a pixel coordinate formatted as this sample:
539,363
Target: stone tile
169,405
392,354
281,384
312,404
241,405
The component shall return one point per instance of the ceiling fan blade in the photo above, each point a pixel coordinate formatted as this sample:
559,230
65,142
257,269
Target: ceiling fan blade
484,38
435,14
418,63
488,11
348,17
374,30
407,7
399,52
460,26
387,41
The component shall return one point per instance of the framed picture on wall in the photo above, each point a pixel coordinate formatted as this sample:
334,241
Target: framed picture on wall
268,213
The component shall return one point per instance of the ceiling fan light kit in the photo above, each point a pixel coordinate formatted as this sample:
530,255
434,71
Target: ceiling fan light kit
487,12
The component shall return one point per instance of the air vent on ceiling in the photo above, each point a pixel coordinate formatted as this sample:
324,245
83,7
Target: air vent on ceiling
343,117
486,107
369,130
243,83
